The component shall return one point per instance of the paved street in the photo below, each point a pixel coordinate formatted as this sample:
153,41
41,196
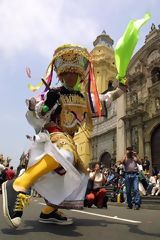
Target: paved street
114,223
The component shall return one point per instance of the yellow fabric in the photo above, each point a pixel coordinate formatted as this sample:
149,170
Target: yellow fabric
73,108
30,176
48,209
65,141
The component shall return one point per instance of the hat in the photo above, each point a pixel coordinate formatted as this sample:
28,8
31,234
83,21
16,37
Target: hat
71,58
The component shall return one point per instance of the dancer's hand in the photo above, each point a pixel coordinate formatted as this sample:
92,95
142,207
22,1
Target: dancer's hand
31,103
52,97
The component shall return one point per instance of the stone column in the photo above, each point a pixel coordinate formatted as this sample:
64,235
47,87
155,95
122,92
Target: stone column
140,141
147,152
128,134
148,149
121,112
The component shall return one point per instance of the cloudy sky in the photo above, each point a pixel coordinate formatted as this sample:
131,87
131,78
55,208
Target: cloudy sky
30,30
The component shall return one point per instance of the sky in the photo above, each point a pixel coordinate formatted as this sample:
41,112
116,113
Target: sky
31,30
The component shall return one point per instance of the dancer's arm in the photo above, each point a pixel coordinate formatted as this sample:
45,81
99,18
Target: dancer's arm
110,96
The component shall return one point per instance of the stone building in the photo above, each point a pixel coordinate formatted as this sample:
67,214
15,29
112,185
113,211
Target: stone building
134,118
103,61
142,119
106,129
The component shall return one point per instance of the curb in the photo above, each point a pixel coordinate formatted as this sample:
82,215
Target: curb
143,206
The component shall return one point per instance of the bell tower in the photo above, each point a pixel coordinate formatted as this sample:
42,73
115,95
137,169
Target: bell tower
103,61
104,71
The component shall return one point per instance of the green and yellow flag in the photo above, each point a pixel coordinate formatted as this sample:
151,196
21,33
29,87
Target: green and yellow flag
126,45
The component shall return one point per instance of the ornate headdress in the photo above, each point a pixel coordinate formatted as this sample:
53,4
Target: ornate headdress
71,58
75,59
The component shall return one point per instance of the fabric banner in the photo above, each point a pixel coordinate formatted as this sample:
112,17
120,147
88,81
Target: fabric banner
126,45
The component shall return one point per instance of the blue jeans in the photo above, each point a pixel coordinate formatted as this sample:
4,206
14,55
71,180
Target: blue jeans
131,183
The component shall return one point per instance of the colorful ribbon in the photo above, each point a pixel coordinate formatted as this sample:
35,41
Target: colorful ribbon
47,78
95,92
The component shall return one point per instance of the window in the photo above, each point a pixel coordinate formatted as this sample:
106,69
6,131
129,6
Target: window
155,74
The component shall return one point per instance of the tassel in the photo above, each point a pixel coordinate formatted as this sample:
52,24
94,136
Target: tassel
95,92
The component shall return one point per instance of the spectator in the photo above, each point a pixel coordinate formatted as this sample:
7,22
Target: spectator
111,175
156,188
2,174
2,167
3,178
152,183
22,170
10,173
155,171
130,161
120,169
122,188
143,181
98,193
146,164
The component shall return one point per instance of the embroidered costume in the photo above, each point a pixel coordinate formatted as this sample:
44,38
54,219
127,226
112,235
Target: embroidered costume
55,169
67,109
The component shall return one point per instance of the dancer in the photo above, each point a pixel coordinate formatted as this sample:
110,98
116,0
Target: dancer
55,169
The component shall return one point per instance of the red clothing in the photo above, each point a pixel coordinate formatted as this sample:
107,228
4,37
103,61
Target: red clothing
96,197
10,174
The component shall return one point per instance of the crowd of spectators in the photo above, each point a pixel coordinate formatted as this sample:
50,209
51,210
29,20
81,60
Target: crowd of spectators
109,183
104,183
6,173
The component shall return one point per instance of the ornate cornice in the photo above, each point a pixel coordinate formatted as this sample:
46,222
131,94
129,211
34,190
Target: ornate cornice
154,63
144,51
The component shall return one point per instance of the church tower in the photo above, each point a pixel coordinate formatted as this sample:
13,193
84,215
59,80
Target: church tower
104,71
103,61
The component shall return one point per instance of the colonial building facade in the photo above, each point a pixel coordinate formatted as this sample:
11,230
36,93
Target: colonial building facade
142,119
134,118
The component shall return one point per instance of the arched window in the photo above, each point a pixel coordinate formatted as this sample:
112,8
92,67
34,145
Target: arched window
155,148
155,74
157,103
105,160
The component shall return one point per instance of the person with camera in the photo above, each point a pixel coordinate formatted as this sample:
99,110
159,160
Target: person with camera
130,162
97,194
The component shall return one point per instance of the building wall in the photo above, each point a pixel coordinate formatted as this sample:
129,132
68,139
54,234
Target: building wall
101,144
133,117
103,138
143,100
